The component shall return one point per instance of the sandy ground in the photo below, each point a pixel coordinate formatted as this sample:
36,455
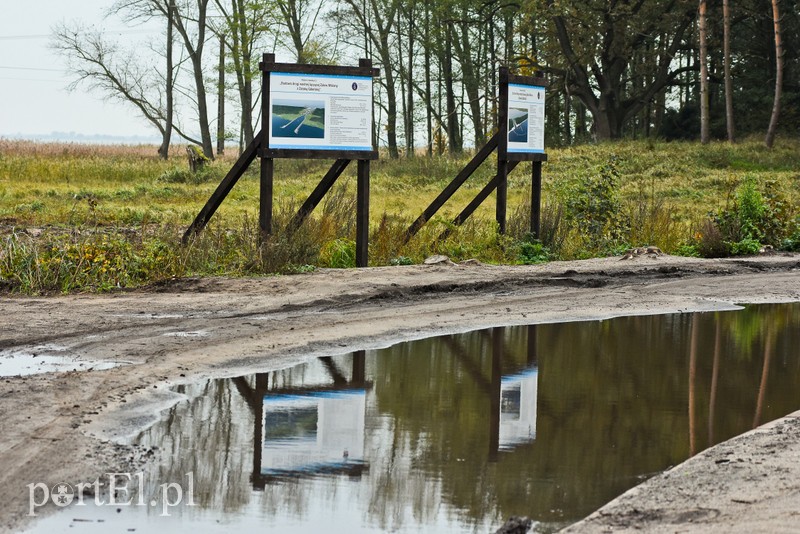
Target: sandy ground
62,426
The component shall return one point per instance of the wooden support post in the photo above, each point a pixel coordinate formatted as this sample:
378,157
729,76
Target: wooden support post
536,198
224,188
502,152
267,163
265,200
362,214
476,202
316,196
452,187
359,368
502,195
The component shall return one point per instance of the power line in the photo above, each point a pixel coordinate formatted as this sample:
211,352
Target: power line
48,35
18,37
30,68
30,80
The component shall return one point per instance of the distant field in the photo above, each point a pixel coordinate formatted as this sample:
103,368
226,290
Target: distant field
60,184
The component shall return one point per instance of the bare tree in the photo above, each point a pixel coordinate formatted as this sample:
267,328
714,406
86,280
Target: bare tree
189,19
118,74
376,19
776,103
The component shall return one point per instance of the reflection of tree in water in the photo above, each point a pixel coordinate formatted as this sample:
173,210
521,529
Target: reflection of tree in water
209,435
612,405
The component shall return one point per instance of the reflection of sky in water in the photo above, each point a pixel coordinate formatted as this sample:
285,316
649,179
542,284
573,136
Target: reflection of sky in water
455,434
47,359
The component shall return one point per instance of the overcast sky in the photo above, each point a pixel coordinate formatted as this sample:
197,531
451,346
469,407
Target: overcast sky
33,84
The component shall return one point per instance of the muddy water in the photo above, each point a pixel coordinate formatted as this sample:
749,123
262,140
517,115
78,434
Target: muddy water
456,433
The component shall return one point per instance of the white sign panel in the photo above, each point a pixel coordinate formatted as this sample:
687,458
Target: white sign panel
320,112
525,118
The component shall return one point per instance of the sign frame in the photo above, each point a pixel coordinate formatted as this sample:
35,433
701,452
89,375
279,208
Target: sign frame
270,67
507,79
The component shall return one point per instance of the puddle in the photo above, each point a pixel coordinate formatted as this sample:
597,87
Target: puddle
46,360
457,433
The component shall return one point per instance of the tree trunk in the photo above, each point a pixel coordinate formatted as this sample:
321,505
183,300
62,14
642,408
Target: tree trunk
221,99
470,81
453,137
166,136
704,111
726,53
776,103
409,74
428,95
195,52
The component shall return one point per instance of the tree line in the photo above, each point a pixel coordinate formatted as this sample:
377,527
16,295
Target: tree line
677,69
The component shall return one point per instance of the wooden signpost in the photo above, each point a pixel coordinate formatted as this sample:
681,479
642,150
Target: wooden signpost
309,111
323,111
520,137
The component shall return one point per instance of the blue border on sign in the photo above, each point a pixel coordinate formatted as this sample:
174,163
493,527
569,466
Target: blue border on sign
526,150
542,87
321,147
307,75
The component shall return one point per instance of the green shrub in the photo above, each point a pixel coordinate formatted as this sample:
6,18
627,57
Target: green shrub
689,250
339,254
763,217
532,252
401,260
594,207
750,209
746,247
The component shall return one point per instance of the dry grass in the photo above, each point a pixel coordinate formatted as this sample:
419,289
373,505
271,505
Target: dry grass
666,191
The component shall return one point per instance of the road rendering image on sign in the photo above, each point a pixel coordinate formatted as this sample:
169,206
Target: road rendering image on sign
298,118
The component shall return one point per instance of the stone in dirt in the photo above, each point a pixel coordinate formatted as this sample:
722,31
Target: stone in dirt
438,260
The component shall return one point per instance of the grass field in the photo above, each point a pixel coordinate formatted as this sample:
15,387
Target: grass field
641,192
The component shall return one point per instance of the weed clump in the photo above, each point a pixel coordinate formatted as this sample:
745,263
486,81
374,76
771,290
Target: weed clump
756,217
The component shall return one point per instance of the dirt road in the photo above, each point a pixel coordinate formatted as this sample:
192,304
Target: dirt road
60,426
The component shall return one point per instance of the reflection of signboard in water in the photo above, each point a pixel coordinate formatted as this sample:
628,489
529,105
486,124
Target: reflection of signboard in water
313,433
298,118
518,408
525,118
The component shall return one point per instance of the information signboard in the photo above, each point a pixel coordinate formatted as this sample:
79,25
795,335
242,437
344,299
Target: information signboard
525,118
320,112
